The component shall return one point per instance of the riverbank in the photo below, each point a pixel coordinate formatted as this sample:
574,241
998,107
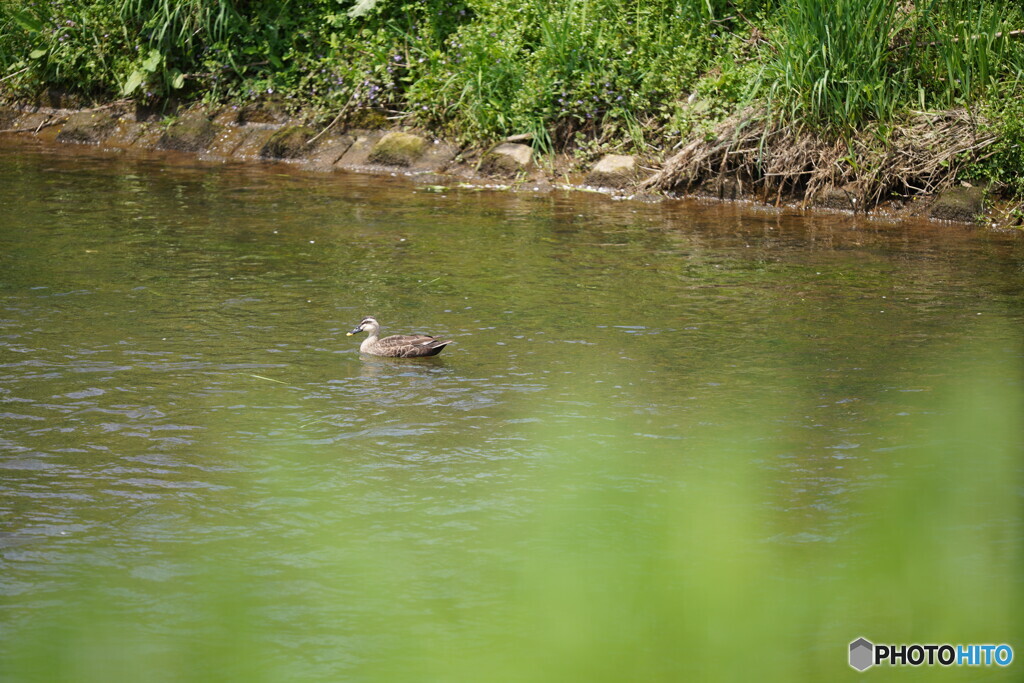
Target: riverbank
260,134
863,106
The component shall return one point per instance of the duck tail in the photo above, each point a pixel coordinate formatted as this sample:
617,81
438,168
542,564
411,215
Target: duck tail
437,346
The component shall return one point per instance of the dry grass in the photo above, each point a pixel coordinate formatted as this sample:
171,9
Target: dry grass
779,162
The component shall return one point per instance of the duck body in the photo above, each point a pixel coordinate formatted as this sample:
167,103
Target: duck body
397,345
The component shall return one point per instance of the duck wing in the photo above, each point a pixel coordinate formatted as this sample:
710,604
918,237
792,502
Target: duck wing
410,345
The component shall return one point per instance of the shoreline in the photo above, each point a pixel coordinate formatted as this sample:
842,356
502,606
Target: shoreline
250,134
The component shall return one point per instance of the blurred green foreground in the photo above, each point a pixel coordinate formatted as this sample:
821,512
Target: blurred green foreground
613,573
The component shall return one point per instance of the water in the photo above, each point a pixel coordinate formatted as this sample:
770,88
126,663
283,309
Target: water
199,473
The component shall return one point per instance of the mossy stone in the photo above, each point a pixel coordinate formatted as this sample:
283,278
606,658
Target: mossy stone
291,142
507,160
960,204
190,133
87,127
397,149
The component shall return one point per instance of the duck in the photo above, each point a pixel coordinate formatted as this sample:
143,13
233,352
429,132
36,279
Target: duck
397,345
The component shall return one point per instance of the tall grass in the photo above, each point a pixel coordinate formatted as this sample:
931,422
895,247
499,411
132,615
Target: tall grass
176,34
182,26
968,49
842,64
834,65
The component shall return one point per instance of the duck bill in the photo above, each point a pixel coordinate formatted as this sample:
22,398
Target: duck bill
355,331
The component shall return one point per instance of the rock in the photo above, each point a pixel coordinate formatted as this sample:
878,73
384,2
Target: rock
253,142
356,157
191,133
397,149
507,160
31,121
149,137
270,111
437,156
613,170
227,140
87,127
540,185
522,137
327,151
291,142
726,188
839,198
125,133
961,204
7,117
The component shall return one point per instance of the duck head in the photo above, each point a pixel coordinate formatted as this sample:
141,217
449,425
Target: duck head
368,324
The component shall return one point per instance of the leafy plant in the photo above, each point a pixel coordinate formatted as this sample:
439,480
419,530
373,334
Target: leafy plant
1004,164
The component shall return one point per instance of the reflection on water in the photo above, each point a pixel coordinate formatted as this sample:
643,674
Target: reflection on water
177,395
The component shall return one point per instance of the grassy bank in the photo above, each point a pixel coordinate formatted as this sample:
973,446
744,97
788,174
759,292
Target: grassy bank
583,75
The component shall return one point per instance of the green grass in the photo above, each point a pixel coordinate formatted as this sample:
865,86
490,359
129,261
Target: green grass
590,75
834,64
582,69
839,65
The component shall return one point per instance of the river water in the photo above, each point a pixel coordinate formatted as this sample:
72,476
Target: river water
663,433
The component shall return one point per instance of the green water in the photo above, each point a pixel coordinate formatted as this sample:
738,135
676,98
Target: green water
669,442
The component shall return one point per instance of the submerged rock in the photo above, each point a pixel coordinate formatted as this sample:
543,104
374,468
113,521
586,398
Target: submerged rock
961,204
87,127
507,160
398,149
291,142
613,170
191,133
